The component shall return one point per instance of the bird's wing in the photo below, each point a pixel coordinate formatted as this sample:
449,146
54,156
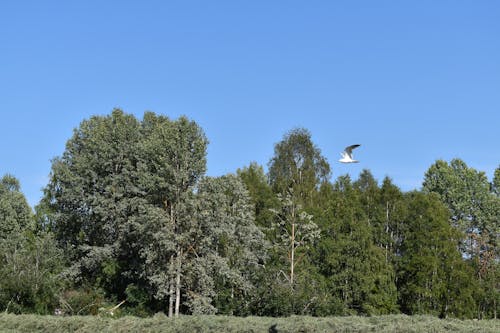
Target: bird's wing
350,148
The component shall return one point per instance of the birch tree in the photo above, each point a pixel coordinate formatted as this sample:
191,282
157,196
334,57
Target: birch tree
295,231
174,160
297,164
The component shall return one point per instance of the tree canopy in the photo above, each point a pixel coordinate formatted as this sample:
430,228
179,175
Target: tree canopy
130,222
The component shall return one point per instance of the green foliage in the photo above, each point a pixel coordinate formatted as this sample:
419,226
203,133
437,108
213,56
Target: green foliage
299,165
431,274
466,192
495,185
143,230
262,196
475,209
230,249
29,273
119,183
357,272
295,233
15,213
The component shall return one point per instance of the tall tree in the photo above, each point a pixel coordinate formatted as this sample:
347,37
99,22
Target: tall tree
175,159
432,278
299,165
118,182
29,262
222,249
369,198
295,231
355,269
230,240
93,193
475,210
394,211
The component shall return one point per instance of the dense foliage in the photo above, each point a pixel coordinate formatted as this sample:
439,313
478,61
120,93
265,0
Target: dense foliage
130,224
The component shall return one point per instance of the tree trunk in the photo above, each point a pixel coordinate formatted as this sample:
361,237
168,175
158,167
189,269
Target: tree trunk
292,263
178,283
171,287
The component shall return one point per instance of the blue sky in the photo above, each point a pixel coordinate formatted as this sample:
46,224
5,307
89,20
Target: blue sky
412,81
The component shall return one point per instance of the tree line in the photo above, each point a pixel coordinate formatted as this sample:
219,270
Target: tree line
130,222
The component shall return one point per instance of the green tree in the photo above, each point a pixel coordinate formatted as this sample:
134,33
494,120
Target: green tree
296,172
357,273
93,193
466,192
296,232
30,265
15,213
495,185
380,206
475,210
230,241
222,250
174,160
391,230
261,193
432,278
299,165
120,182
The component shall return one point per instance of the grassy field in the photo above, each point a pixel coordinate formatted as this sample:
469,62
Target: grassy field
160,323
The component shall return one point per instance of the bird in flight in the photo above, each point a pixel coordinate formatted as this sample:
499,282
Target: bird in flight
347,154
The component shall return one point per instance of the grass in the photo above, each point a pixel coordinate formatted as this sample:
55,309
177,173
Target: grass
160,323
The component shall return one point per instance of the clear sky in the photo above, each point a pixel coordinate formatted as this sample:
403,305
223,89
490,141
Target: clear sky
411,81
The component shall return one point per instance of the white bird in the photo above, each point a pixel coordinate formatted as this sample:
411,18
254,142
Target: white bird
347,154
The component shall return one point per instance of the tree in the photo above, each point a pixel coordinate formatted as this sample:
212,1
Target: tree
475,210
296,230
369,199
30,265
120,182
299,165
466,192
261,193
432,278
29,262
92,194
495,185
394,211
356,271
174,162
228,236
222,249
15,213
